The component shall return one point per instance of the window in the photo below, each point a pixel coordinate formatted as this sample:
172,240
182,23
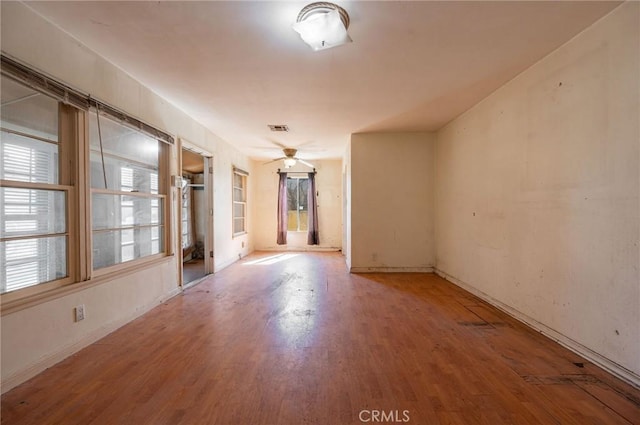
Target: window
45,178
127,207
239,202
298,212
34,200
186,213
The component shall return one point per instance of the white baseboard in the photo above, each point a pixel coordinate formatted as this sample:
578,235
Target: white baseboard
225,264
56,357
610,366
391,270
299,249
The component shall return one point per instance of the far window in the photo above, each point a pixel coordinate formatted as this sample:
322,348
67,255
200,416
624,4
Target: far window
297,190
239,203
187,225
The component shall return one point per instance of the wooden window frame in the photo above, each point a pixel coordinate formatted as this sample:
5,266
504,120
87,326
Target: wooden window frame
244,176
68,182
164,183
298,178
73,179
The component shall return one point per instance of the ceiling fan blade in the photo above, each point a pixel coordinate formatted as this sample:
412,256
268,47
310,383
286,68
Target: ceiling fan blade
310,145
274,160
280,145
308,164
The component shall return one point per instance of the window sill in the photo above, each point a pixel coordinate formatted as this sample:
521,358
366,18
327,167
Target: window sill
15,305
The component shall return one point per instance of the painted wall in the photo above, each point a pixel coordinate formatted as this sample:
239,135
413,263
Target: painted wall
265,207
538,194
227,248
346,206
392,202
38,337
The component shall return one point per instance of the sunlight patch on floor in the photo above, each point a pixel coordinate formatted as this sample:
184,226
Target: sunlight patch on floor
270,260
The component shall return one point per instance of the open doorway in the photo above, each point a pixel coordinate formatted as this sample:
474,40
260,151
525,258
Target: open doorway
196,216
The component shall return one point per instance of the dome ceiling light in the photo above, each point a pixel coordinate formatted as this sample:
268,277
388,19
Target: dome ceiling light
323,25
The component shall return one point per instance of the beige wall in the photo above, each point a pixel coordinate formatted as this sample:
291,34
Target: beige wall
38,337
392,202
346,206
265,207
537,194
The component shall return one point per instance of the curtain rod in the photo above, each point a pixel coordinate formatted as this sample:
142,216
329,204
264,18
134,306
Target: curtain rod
52,87
297,172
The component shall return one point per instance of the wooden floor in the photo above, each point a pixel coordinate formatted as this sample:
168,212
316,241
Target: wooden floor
294,339
193,270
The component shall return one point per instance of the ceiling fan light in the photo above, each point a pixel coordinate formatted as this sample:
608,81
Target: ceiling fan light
323,25
289,162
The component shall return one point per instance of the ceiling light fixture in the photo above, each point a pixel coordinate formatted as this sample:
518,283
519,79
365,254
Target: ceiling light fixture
323,25
289,162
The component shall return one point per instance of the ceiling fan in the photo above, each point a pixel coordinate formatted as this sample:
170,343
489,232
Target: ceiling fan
290,159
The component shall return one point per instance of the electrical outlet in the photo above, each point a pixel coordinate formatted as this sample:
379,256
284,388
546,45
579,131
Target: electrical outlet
79,312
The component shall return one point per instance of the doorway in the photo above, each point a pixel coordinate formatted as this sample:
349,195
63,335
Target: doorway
196,215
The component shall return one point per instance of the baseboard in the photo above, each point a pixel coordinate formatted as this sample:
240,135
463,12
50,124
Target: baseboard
224,265
391,270
610,366
299,249
52,359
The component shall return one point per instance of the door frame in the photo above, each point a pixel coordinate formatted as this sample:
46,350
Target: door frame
208,190
209,252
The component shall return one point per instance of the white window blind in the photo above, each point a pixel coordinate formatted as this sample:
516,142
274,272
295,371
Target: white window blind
33,248
239,202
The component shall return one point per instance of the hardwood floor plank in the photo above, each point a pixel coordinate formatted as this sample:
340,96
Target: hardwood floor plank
298,340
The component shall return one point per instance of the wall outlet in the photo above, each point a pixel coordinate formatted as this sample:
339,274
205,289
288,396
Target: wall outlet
79,310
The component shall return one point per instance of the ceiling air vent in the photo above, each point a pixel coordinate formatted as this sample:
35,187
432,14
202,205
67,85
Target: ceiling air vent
278,127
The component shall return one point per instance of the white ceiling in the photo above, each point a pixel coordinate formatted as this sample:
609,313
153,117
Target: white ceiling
237,66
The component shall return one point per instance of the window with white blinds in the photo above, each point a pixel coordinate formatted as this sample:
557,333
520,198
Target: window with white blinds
128,222
51,235
239,202
185,215
33,205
